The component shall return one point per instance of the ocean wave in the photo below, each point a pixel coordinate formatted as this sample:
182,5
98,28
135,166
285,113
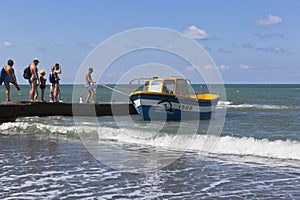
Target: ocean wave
258,147
227,145
41,128
229,104
224,103
259,106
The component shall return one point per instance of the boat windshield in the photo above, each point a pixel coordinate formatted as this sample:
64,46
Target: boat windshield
155,86
140,88
169,86
182,87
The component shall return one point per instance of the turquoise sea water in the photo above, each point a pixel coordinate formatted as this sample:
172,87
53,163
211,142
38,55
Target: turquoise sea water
257,155
103,94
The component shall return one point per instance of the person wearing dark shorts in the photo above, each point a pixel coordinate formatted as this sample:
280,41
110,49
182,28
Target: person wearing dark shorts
42,84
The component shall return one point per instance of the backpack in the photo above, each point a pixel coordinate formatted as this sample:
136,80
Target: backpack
2,76
27,74
51,78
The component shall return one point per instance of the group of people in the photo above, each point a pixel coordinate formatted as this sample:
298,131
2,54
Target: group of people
35,78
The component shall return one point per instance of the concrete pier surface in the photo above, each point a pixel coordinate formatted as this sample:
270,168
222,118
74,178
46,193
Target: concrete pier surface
11,110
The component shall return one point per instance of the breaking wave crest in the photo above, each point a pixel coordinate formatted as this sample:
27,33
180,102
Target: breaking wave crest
227,145
229,104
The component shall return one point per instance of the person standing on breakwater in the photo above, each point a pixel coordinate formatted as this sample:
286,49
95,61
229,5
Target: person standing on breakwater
55,86
34,80
9,76
56,92
43,84
89,85
52,81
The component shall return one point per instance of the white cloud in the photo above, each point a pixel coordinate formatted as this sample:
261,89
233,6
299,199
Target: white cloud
243,66
193,69
190,69
269,35
208,67
273,49
170,46
91,44
196,33
224,67
223,50
277,49
7,44
271,20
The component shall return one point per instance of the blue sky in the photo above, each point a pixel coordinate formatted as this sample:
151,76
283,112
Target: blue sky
250,41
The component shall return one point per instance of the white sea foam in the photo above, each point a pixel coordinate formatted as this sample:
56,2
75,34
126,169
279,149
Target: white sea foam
223,145
229,104
24,127
257,147
224,103
259,106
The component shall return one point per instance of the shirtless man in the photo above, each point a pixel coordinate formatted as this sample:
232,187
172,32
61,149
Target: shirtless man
89,86
34,80
10,77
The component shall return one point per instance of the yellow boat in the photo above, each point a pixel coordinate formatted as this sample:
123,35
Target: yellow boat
171,99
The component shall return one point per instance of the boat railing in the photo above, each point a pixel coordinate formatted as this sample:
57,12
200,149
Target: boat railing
136,83
188,80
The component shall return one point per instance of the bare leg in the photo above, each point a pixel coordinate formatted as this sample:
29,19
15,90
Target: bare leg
36,94
58,92
16,85
55,92
88,97
32,92
42,95
51,93
93,96
7,92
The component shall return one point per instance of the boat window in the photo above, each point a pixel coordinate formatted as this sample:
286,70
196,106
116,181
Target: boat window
182,87
146,86
155,86
191,90
139,88
168,86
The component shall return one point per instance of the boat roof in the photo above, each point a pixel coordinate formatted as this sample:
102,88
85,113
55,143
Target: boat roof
167,78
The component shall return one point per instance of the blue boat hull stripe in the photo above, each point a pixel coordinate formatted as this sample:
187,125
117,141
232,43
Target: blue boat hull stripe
179,106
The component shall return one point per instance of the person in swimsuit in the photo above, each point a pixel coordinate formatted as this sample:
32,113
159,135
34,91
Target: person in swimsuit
52,81
34,80
89,86
43,84
56,92
10,77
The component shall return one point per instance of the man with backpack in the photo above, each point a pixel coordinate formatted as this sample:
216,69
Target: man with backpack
31,73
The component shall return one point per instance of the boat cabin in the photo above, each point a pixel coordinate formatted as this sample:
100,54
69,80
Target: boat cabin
177,86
